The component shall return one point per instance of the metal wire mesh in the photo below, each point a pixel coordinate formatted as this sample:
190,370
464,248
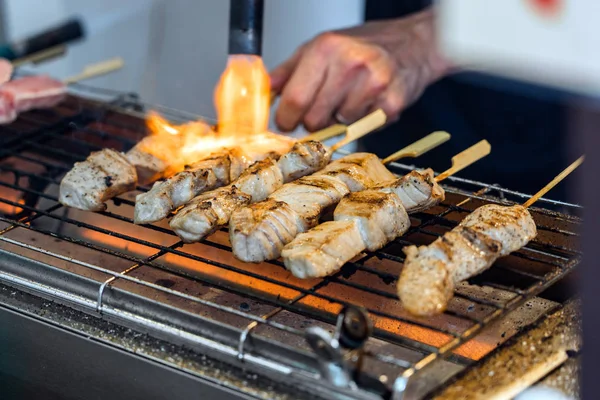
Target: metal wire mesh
254,304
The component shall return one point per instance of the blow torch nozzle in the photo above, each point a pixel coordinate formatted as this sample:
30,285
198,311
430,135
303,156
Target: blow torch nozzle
245,27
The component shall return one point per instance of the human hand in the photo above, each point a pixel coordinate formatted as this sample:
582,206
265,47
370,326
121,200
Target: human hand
343,75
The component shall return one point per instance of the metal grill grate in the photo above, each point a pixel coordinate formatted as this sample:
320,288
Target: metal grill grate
200,294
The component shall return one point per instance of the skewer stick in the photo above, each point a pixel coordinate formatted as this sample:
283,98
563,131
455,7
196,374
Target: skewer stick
353,131
465,158
327,133
40,56
361,127
554,182
97,69
419,147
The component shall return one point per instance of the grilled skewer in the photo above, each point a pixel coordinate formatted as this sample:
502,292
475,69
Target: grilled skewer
259,232
216,170
305,158
100,177
199,178
149,167
377,216
431,273
366,219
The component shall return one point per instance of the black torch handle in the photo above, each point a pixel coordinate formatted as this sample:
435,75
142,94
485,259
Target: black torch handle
69,31
245,27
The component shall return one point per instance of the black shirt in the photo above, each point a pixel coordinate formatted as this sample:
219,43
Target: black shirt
525,125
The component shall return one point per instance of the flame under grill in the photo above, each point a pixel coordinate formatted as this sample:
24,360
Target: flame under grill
257,314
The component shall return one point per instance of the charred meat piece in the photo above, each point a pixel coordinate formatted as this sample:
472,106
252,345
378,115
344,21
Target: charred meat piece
149,167
254,183
259,181
309,198
156,157
379,214
324,249
358,171
381,217
303,159
258,233
165,196
207,212
262,229
431,272
362,220
102,176
418,191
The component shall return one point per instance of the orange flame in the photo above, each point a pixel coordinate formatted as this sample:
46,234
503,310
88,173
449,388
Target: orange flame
242,96
183,144
242,101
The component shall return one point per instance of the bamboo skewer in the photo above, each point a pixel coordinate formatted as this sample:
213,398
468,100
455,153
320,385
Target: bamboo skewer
96,69
361,127
41,56
466,158
327,133
353,131
419,147
367,125
554,182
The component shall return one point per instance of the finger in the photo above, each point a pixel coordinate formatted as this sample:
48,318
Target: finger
300,91
327,100
280,74
392,100
357,102
368,87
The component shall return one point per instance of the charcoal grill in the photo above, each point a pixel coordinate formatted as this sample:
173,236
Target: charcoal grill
246,317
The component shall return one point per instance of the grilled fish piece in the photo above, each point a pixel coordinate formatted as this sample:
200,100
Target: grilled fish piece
324,249
376,217
303,159
207,212
417,190
258,232
431,272
260,180
164,197
311,196
256,182
370,163
149,168
102,176
308,198
358,171
381,217
154,157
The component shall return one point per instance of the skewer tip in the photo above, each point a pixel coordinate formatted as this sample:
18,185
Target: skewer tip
554,182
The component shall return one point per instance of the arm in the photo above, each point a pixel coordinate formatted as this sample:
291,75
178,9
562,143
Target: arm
381,64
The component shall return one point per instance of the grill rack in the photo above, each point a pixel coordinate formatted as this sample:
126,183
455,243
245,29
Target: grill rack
64,133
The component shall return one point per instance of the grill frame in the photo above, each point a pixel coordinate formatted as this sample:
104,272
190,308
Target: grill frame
250,348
